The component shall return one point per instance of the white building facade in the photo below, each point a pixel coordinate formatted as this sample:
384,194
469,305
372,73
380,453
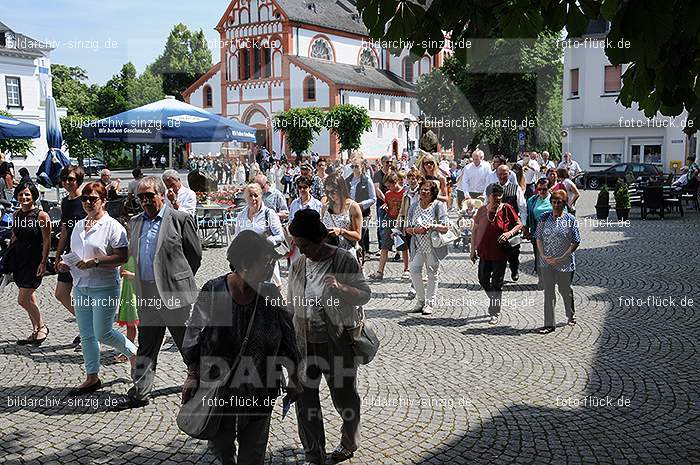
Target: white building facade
282,54
24,83
600,132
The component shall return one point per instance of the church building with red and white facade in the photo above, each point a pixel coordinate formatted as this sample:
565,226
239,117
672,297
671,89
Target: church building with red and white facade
282,54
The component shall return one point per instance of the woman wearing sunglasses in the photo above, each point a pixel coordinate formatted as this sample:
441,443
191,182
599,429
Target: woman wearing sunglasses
429,170
557,238
537,205
98,247
425,216
72,211
342,216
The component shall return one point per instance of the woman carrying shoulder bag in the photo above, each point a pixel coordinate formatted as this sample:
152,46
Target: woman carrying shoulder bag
427,215
325,292
494,225
239,323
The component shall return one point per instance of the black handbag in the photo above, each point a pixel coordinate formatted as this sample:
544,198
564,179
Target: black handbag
201,419
361,338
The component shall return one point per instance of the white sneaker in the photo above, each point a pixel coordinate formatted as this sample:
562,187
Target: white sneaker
428,310
418,307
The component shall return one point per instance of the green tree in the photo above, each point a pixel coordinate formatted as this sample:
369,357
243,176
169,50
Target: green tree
71,91
78,145
658,39
348,122
185,58
15,146
300,127
504,84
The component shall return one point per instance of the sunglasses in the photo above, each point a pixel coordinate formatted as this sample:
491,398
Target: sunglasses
89,198
302,187
542,189
354,166
553,202
146,195
429,163
70,179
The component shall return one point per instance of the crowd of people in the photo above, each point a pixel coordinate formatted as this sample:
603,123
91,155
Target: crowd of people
316,217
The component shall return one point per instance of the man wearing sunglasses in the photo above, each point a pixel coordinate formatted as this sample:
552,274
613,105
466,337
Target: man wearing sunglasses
167,253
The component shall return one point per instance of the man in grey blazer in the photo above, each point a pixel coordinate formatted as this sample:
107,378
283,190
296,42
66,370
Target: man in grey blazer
167,254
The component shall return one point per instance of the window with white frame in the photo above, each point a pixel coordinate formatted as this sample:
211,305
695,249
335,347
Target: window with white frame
382,104
380,131
392,106
613,79
573,83
607,151
406,106
371,103
647,151
14,91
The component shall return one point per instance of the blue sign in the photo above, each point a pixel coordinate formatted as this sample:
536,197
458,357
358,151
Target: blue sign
521,138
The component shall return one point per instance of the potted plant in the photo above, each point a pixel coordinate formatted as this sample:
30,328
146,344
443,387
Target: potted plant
622,200
602,206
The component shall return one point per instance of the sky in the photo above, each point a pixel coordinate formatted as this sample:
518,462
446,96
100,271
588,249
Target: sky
101,36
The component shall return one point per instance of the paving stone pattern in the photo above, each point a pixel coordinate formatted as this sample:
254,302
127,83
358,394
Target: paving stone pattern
445,388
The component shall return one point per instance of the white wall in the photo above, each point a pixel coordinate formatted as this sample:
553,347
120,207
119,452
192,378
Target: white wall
33,110
197,97
296,93
593,114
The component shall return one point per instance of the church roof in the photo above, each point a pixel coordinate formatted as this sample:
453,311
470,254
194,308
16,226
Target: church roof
24,46
341,15
356,77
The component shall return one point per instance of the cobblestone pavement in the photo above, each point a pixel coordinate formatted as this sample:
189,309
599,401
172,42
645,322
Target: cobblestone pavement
620,387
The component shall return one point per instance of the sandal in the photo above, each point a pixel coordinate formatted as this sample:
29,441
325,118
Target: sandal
376,276
121,358
406,274
37,342
546,330
572,322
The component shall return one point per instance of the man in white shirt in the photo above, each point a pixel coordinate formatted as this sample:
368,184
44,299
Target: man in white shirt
178,196
493,177
569,164
474,176
531,172
546,162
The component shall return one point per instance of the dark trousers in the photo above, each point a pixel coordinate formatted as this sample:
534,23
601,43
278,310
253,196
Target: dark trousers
529,190
338,369
381,220
561,279
153,321
491,274
252,433
514,259
364,241
460,199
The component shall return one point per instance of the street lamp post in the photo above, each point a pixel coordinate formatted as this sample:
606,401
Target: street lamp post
407,126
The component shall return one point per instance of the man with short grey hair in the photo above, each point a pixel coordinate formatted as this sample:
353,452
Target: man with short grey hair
164,281
272,197
178,196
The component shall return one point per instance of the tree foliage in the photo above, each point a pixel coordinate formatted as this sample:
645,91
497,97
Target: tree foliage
185,58
503,84
71,91
78,145
349,122
15,146
660,40
300,127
